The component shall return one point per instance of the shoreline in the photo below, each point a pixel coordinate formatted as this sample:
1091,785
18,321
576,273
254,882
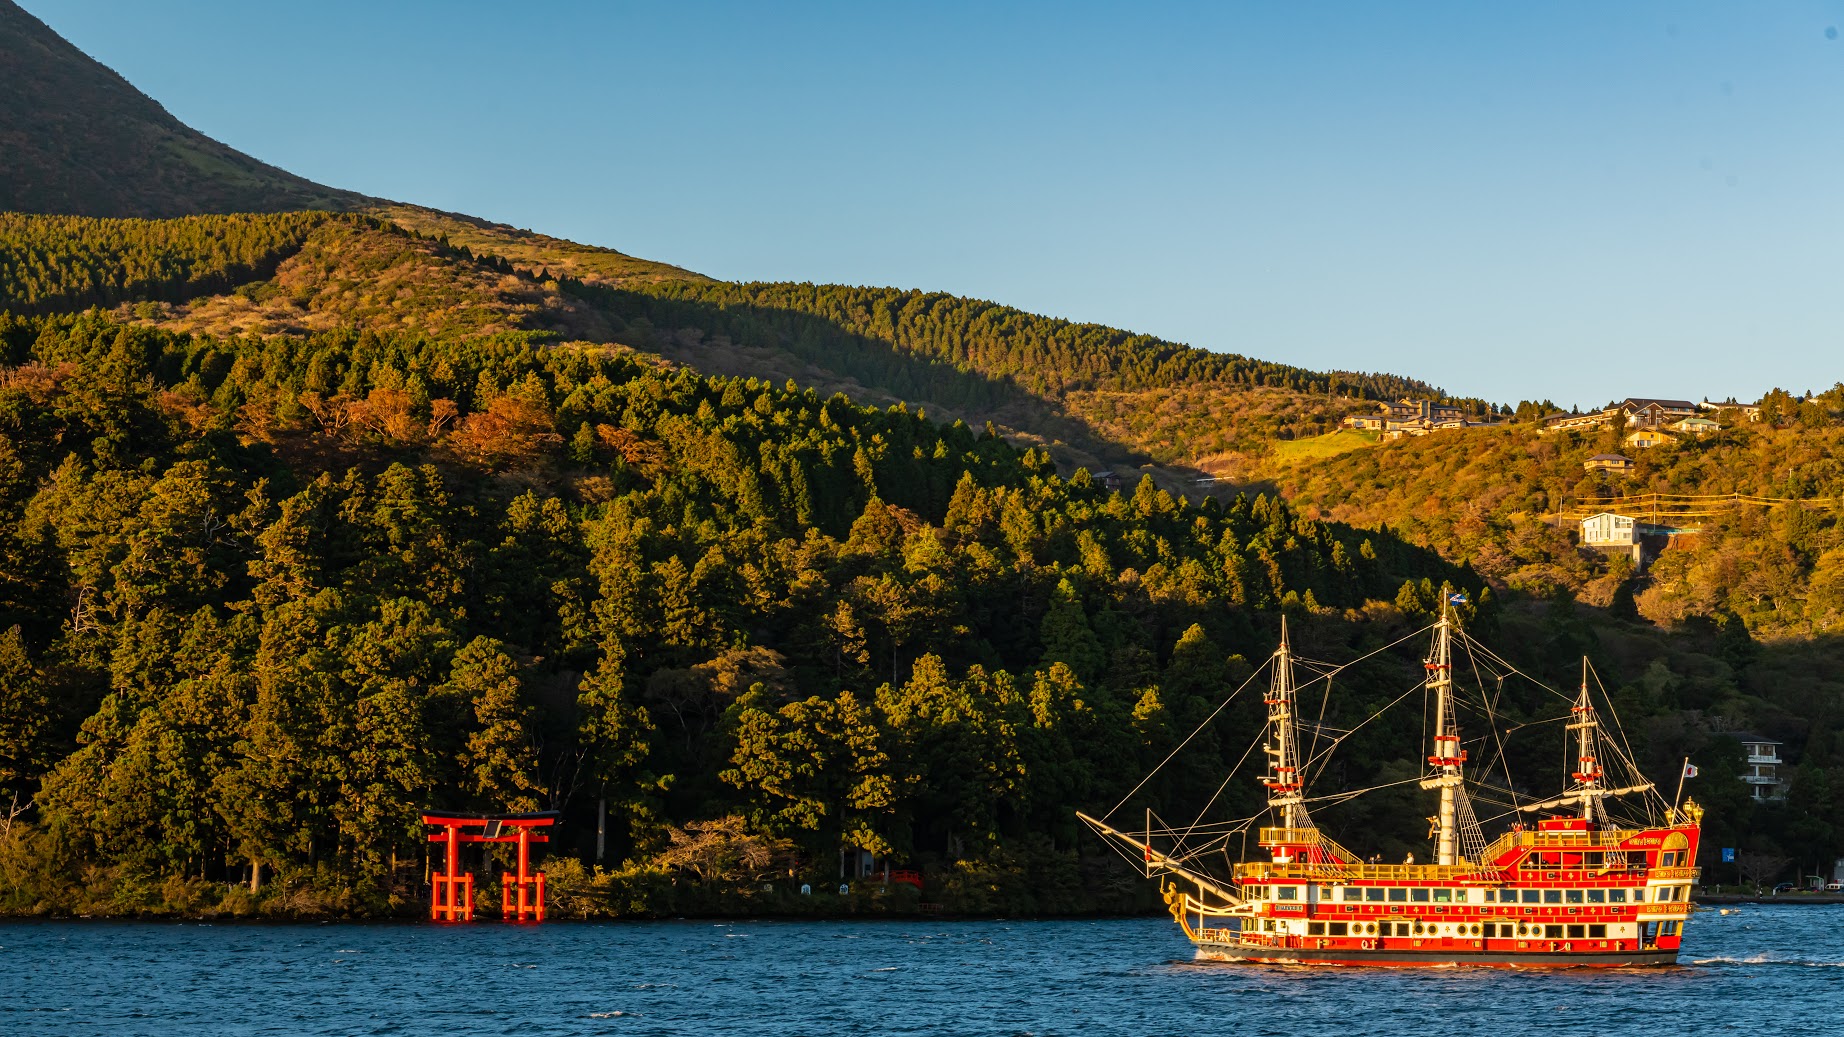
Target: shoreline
1801,899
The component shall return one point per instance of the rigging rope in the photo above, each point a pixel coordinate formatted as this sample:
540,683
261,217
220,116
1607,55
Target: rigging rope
1194,732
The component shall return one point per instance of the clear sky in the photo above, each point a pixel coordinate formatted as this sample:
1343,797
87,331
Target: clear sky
1579,201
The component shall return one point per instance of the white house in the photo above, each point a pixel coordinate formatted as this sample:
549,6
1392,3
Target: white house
1763,772
1609,530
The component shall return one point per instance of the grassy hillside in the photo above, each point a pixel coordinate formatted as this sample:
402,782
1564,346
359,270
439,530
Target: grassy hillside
77,138
533,252
1489,496
1095,396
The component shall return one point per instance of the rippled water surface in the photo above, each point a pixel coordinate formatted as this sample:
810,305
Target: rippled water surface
1761,970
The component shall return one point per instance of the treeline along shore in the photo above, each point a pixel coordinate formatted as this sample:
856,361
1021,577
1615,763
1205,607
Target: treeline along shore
266,597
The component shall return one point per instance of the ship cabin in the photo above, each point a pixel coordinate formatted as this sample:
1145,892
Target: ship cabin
1563,886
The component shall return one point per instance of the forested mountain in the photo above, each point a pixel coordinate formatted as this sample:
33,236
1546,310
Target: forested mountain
1092,395
269,598
81,140
265,599
313,519
77,138
49,264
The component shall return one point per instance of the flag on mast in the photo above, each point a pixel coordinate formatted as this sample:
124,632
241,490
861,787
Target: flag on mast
1690,770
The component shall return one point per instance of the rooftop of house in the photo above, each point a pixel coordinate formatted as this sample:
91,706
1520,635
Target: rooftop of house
1611,457
1750,738
1638,402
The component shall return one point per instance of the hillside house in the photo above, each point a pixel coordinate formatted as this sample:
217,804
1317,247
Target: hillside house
1410,418
1577,422
1647,438
1632,412
1611,534
1609,463
1650,413
1750,411
1762,773
1695,426
1609,530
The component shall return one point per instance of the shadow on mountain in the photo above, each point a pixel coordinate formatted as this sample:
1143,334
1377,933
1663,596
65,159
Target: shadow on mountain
741,339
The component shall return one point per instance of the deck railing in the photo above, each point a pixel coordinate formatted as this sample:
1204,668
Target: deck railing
1306,837
1258,871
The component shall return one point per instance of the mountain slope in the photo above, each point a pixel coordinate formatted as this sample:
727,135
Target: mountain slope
535,252
78,138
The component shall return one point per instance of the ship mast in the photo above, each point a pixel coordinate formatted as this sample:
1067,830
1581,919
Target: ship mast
1585,724
1586,788
1285,786
1447,755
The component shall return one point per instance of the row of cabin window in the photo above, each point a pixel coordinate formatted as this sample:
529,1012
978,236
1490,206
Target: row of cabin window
1424,895
1507,931
1492,930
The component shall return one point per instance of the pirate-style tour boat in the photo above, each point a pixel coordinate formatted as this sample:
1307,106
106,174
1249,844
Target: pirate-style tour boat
1581,886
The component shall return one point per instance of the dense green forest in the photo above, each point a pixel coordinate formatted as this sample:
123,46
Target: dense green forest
50,263
265,597
1045,355
969,354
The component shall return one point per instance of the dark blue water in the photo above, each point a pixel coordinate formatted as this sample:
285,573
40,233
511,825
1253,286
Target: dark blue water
1763,970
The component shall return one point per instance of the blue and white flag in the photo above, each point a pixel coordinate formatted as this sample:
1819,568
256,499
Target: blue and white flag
1457,599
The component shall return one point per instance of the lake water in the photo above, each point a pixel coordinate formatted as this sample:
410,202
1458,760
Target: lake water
1762,970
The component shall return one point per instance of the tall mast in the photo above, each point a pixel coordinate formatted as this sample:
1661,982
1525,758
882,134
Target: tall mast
1447,755
1284,781
1587,775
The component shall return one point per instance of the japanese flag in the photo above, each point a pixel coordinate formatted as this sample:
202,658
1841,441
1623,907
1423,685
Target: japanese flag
1690,770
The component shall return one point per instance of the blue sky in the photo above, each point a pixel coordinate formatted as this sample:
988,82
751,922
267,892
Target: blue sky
1578,201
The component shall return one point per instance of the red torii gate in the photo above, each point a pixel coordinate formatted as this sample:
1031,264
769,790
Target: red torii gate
451,897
